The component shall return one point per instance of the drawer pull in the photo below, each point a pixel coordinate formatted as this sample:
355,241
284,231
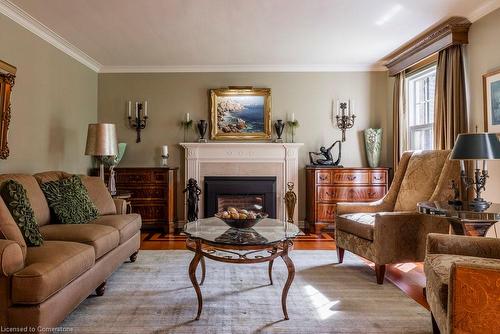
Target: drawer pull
323,177
378,178
329,194
329,213
371,194
351,177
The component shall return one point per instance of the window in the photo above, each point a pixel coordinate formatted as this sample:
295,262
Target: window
420,87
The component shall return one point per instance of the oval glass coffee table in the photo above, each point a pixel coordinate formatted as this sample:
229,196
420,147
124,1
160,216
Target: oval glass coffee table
211,238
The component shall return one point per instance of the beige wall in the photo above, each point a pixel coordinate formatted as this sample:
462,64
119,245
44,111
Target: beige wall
483,57
308,95
53,100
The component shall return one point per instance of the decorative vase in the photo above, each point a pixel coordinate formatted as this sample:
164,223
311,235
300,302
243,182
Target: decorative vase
202,129
279,125
373,145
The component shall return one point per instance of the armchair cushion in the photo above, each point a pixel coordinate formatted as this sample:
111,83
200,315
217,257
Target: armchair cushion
359,224
420,178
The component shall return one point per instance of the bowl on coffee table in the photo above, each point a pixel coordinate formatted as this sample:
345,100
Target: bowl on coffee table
240,218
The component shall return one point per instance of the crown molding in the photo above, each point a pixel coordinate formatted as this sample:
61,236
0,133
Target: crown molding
244,68
27,21
484,10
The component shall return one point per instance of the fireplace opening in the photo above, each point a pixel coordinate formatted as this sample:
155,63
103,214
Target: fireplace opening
256,193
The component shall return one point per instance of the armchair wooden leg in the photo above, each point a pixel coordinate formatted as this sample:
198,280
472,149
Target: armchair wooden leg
435,328
380,273
340,254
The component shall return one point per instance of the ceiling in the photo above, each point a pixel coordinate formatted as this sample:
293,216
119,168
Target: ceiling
234,35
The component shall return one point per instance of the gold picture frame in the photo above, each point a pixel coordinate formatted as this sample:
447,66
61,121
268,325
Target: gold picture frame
491,101
7,78
240,113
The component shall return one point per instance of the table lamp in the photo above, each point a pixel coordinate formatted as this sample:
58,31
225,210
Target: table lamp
101,142
476,147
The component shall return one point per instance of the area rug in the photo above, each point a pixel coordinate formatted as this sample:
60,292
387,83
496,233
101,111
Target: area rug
154,295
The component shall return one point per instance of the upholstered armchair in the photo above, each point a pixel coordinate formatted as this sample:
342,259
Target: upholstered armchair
462,289
390,230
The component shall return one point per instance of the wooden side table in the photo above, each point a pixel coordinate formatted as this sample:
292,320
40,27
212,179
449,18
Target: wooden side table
126,196
462,219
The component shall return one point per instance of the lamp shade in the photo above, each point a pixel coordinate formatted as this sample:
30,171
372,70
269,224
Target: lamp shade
476,146
101,140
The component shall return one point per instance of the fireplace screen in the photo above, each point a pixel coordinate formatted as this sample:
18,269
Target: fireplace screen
248,202
256,193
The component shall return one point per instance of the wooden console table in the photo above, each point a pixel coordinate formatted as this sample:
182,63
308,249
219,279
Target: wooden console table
153,193
326,186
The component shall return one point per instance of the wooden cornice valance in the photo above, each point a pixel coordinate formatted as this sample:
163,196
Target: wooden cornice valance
453,31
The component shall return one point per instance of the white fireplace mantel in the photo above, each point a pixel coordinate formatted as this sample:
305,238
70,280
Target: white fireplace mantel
245,159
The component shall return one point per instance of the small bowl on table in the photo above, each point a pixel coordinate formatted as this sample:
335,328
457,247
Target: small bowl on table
242,223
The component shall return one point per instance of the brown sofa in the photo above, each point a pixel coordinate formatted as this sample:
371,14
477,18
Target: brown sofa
390,230
40,286
463,283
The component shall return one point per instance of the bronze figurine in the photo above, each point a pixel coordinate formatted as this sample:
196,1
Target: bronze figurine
324,156
291,201
193,191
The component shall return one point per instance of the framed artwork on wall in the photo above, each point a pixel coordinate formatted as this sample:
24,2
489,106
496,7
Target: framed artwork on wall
491,101
240,113
7,77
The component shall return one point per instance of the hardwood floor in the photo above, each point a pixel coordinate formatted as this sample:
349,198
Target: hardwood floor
409,277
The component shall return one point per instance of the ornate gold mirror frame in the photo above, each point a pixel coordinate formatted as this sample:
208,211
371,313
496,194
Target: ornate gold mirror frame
7,77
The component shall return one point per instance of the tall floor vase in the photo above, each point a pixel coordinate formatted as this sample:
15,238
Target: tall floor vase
373,145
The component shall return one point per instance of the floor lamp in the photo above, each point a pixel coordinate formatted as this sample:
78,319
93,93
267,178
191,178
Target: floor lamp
101,142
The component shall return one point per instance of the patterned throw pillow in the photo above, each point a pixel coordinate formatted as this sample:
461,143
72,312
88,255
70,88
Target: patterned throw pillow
69,200
16,199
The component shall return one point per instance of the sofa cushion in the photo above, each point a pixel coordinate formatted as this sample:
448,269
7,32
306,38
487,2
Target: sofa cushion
51,176
50,268
127,225
17,202
35,196
102,238
99,195
69,200
9,229
359,224
421,178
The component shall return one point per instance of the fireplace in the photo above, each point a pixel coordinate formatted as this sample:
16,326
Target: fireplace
256,193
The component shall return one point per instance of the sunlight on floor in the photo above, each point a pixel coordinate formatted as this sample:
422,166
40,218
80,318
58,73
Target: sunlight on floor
405,267
320,302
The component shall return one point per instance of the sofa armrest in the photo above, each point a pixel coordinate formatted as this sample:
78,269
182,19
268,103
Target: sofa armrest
473,298
463,245
371,207
11,257
121,206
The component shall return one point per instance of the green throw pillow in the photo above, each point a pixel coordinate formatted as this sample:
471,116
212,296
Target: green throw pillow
16,199
69,200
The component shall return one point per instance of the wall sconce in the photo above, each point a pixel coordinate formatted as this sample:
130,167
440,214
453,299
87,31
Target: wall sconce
345,120
139,122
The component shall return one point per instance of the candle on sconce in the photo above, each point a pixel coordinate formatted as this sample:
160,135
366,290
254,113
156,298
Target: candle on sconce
145,108
187,117
129,108
137,110
293,117
164,150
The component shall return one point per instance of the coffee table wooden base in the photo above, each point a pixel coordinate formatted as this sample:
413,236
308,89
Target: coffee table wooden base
233,254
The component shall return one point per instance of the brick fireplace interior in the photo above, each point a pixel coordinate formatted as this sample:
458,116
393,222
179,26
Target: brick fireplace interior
256,193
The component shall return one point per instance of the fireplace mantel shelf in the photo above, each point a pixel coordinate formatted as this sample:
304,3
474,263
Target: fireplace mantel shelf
245,158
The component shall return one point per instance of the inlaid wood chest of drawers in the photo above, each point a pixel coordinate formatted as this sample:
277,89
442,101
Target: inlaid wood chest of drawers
326,186
153,194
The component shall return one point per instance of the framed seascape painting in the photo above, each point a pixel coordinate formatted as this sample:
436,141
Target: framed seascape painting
240,113
491,98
